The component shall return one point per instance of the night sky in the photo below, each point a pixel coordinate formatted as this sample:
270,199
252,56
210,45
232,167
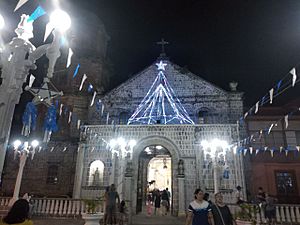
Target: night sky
255,43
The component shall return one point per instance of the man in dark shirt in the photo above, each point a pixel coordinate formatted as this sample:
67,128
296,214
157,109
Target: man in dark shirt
111,197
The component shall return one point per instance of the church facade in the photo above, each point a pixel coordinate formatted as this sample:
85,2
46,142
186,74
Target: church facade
112,150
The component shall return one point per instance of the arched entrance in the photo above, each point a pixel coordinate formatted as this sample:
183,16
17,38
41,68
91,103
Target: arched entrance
154,174
153,154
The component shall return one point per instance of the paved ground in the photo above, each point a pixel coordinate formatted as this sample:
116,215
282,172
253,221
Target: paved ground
136,220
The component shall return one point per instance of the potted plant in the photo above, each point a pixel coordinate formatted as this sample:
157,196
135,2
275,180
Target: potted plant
247,214
92,215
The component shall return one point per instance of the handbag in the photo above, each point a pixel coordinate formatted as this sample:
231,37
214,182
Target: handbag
219,211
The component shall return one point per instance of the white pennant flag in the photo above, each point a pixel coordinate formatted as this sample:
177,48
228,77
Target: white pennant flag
286,120
256,107
65,149
70,117
20,3
294,76
78,124
251,150
48,30
82,81
31,80
102,109
245,115
270,128
61,109
69,61
93,99
271,95
107,118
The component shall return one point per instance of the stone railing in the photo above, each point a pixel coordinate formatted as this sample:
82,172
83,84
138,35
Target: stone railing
284,214
54,207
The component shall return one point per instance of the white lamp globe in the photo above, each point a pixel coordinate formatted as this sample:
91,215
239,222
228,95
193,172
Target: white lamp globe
17,144
60,20
34,143
2,23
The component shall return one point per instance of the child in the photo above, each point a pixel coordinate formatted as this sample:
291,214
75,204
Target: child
122,213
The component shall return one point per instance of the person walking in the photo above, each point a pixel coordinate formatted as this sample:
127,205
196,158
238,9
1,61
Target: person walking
18,214
199,211
169,196
165,202
270,209
157,199
111,206
221,212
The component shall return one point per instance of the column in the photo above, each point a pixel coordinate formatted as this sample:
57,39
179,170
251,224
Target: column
181,196
79,171
128,190
216,177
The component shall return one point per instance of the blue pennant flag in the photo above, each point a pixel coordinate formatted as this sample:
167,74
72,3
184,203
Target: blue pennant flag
90,88
263,100
278,85
76,71
38,12
98,105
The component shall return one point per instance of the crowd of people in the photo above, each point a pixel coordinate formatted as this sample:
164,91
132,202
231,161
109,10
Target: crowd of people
201,210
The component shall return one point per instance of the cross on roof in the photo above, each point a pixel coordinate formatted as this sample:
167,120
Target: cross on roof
162,43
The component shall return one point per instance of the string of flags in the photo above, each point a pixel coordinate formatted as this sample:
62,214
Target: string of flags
288,81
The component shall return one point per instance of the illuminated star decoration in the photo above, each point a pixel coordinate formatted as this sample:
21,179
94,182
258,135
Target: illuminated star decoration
160,105
44,94
161,65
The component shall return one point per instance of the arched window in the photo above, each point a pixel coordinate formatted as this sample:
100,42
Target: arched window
123,118
96,173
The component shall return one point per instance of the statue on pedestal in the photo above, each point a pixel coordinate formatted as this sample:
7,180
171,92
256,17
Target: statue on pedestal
180,167
96,177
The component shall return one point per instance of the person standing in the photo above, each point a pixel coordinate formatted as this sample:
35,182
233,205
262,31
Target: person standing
165,202
18,214
111,206
270,209
221,212
199,211
239,195
157,199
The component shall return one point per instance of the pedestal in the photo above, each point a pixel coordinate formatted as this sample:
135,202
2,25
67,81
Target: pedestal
181,197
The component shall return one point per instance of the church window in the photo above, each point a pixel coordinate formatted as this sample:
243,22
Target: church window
203,116
286,182
52,175
123,118
96,170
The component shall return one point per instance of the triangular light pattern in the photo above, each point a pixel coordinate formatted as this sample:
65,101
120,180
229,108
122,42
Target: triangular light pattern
160,105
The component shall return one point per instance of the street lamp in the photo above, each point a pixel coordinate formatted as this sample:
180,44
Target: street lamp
23,150
17,57
215,148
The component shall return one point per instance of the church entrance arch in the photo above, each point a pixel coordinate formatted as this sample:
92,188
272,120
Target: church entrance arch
152,157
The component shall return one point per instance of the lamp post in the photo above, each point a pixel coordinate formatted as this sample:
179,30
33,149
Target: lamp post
16,59
215,148
23,150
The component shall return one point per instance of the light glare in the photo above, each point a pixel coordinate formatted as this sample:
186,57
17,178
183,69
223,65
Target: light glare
2,23
60,20
34,143
17,143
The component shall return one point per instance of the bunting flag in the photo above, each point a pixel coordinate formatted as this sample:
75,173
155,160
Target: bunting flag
251,150
272,152
286,152
31,80
286,120
280,149
70,117
278,85
84,77
38,12
93,99
52,148
260,134
256,107
78,124
256,151
245,151
61,109
298,148
48,30
294,76
69,60
107,118
270,128
64,149
266,148
76,71
102,110
90,88
271,92
245,115
20,4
